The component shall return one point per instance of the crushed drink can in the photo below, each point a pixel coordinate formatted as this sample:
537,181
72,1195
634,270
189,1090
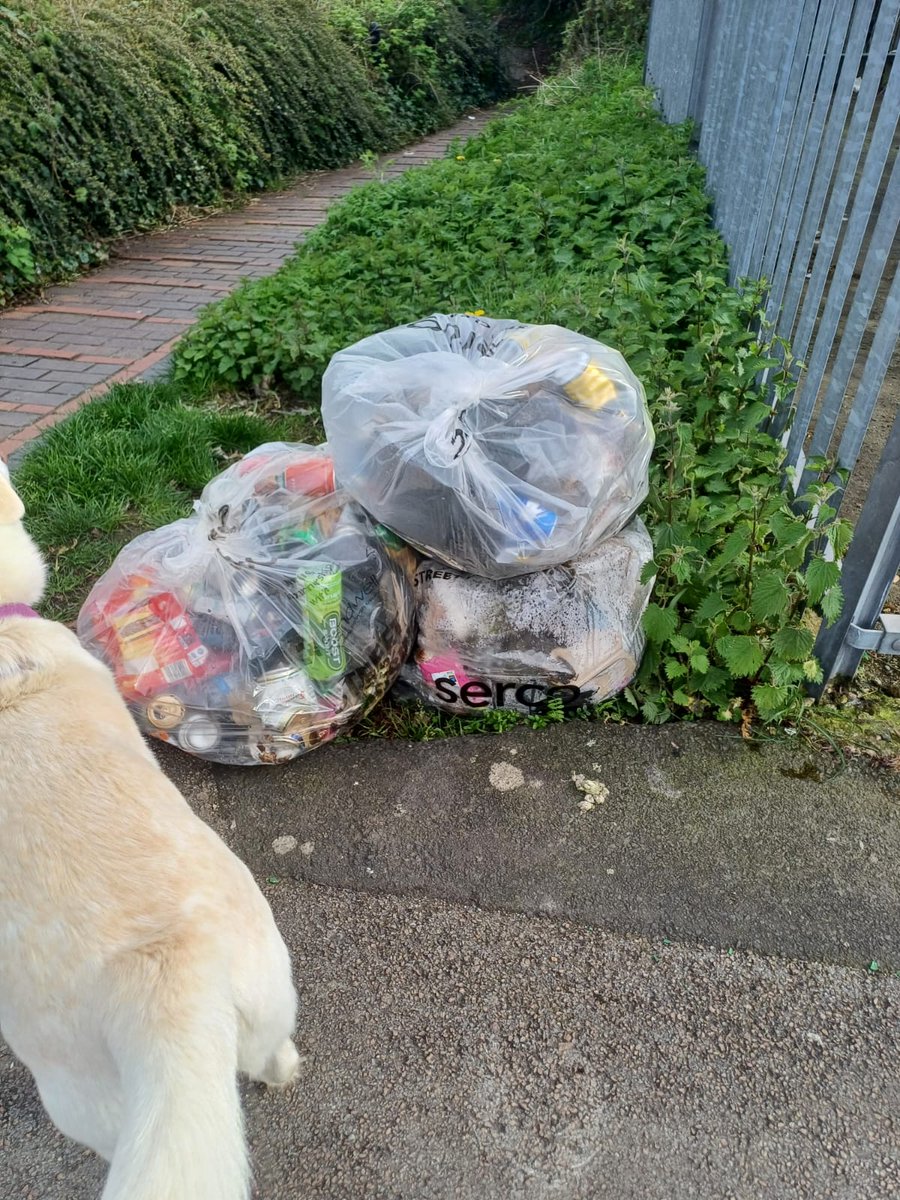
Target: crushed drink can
303,730
165,712
322,590
282,694
401,552
592,389
273,749
304,535
529,523
308,476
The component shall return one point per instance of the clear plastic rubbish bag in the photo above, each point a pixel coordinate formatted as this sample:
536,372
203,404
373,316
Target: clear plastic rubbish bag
496,447
571,633
258,627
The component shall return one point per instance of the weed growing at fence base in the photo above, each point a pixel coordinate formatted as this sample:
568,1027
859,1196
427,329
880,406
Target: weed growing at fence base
585,210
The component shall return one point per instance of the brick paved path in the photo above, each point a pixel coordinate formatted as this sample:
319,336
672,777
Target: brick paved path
121,321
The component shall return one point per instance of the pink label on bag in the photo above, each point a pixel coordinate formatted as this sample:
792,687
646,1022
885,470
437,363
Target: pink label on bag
443,667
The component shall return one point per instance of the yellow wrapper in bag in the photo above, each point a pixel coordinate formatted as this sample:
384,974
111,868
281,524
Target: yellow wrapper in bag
592,388
495,447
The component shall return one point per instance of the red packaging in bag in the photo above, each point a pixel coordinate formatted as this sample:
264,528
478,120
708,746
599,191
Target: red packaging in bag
311,477
155,643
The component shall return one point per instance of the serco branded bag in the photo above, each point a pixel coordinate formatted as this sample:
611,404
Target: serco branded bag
572,633
496,447
257,628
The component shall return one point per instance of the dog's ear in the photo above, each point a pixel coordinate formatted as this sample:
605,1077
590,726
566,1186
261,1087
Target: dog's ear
12,509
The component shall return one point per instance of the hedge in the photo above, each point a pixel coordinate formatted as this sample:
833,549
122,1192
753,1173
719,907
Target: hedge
567,29
115,112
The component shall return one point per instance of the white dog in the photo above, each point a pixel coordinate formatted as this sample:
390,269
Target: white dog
140,966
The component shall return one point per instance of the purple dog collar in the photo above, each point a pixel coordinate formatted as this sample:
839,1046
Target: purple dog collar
17,610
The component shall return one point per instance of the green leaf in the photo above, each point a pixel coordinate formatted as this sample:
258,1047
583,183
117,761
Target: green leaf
709,607
743,655
675,669
682,569
699,662
820,576
770,701
832,603
782,673
793,556
739,621
736,542
770,596
659,623
840,535
715,685
793,643
788,527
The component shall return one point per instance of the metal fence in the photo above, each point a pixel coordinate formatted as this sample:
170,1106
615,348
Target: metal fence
795,105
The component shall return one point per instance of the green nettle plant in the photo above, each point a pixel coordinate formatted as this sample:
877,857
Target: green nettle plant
17,266
738,569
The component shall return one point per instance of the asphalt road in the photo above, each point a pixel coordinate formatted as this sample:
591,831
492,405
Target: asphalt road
455,1054
504,996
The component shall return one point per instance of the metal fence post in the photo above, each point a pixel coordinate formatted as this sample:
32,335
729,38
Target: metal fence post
706,36
798,109
869,568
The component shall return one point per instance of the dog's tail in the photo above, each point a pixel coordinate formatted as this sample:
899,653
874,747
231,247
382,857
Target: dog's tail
174,1033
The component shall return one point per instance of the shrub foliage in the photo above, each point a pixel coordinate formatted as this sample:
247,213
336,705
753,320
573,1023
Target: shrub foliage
115,112
573,27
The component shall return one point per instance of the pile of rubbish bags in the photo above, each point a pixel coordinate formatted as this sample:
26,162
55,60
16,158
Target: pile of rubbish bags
513,457
495,447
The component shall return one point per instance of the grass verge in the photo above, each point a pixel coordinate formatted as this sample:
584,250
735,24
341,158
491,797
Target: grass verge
131,461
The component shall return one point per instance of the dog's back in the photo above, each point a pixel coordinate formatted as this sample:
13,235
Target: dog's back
140,967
